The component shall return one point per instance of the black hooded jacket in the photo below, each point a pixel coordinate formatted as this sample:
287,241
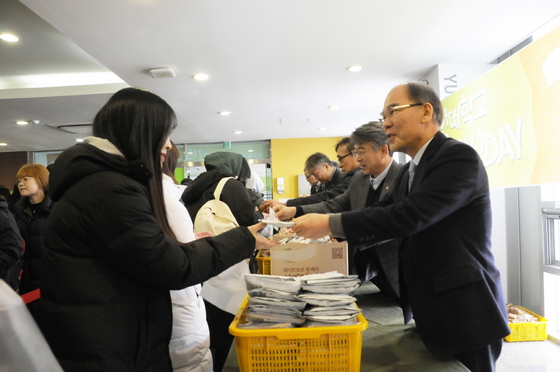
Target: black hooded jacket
108,267
32,226
234,194
11,245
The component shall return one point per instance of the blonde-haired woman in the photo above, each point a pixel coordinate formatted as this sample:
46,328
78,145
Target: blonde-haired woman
32,211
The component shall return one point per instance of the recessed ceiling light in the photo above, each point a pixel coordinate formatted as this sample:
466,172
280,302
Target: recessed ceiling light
237,132
224,113
355,68
322,128
3,144
22,122
10,38
79,140
201,77
249,150
334,107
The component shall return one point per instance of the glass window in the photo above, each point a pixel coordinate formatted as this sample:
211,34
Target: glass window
552,242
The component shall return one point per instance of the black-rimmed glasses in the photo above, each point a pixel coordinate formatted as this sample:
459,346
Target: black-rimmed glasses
341,158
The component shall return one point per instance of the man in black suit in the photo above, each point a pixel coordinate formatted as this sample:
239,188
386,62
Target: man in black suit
439,212
318,163
372,182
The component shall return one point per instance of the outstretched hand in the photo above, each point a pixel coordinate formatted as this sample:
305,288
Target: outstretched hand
260,242
267,204
283,213
312,226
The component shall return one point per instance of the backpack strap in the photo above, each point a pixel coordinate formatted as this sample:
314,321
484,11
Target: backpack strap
220,187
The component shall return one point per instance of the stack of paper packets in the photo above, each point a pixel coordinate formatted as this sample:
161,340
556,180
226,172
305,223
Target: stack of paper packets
309,301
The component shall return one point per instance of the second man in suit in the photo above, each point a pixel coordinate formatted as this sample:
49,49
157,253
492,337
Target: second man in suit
371,183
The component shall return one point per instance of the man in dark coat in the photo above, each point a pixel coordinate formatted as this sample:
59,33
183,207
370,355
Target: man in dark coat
439,211
348,166
369,185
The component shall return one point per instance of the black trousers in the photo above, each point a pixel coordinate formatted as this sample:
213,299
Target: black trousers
220,338
482,360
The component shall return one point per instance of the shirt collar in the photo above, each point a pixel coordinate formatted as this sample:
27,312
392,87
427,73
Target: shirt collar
419,154
376,181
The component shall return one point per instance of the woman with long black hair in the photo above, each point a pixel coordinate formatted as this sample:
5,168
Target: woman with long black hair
111,257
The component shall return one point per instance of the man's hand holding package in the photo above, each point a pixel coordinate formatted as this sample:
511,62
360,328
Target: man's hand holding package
312,226
284,213
269,204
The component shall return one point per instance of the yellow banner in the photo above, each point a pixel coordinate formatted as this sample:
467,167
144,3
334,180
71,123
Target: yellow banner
511,116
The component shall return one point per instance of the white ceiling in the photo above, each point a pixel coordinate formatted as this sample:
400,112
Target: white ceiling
275,64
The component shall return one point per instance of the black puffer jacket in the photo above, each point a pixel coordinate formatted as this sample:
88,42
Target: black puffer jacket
108,267
32,226
11,245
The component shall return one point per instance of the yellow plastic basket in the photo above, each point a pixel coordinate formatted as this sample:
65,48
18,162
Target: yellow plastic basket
318,349
264,264
532,331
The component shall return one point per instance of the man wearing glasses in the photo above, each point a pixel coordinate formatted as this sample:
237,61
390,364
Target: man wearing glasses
337,180
439,213
370,184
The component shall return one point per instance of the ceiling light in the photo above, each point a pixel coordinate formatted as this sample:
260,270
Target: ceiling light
322,128
22,122
10,38
3,144
249,150
334,107
79,140
237,132
355,68
201,77
224,113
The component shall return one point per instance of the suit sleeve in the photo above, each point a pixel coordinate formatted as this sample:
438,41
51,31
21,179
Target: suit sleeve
453,179
322,196
341,203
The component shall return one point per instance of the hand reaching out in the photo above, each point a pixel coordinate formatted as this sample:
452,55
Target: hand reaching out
312,226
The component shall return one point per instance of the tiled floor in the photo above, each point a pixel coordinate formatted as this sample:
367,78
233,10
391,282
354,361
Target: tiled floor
535,356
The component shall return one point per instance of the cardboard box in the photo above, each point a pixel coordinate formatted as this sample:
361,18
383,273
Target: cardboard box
297,259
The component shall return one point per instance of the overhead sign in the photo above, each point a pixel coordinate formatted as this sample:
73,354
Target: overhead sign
511,116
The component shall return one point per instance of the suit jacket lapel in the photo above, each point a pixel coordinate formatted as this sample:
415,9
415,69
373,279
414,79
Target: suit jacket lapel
389,179
360,198
420,171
